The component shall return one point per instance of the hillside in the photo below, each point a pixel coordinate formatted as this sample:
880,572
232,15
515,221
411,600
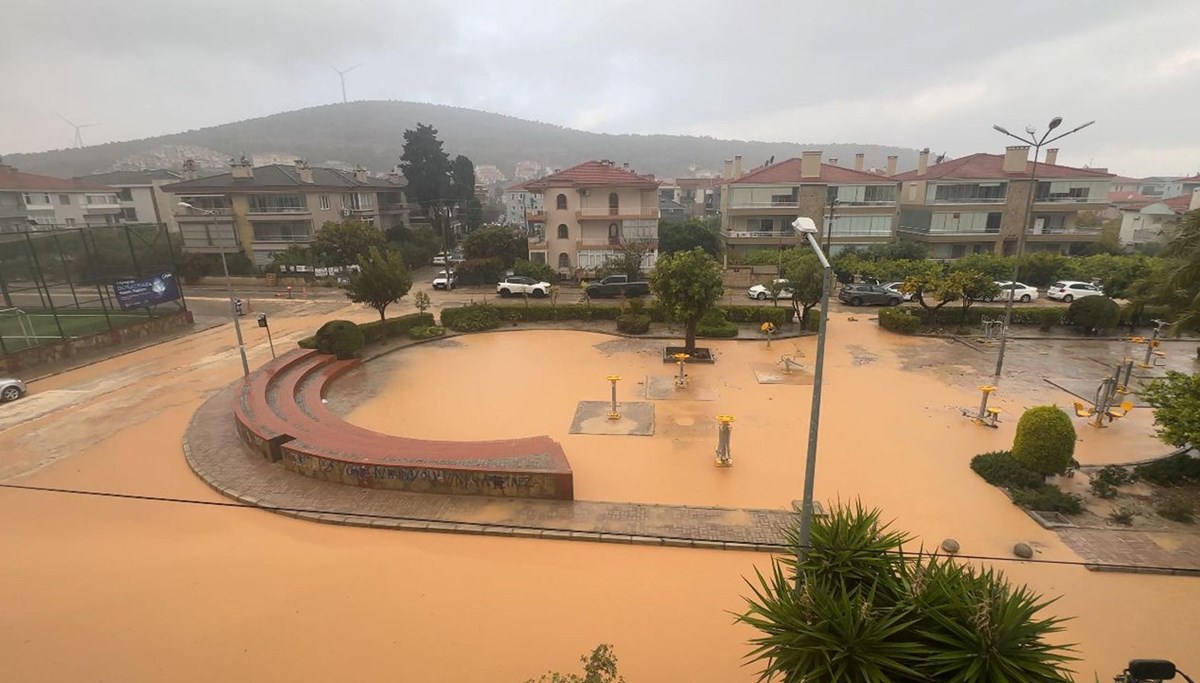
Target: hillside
371,134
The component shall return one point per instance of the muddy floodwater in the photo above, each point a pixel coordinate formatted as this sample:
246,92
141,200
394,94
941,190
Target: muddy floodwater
123,590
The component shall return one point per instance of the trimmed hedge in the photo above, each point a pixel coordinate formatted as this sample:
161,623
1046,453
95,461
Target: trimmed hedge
1000,468
713,325
428,332
633,323
1048,498
1176,470
899,320
1095,314
1045,440
474,318
508,312
777,315
373,331
339,337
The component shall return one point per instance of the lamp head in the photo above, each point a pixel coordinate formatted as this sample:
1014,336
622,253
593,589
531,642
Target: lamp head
804,224
1030,129
1002,129
185,205
1055,122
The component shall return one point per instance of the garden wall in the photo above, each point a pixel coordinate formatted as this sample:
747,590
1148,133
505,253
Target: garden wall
65,349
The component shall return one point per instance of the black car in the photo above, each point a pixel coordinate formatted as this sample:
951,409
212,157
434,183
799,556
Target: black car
857,295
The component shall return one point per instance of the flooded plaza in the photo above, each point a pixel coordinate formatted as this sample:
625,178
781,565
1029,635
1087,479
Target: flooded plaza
115,589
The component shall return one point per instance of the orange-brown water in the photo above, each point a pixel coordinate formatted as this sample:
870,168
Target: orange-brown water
102,589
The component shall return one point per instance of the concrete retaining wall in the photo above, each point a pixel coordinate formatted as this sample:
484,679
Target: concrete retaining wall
65,349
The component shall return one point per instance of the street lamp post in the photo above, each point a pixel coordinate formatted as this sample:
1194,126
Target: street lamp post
806,227
233,313
1037,144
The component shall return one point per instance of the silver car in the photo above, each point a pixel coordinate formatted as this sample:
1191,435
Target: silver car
11,389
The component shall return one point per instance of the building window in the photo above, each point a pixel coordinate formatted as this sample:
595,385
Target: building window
561,202
276,203
761,225
129,215
614,233
614,204
125,194
36,199
323,201
282,231
563,233
564,260
64,199
993,221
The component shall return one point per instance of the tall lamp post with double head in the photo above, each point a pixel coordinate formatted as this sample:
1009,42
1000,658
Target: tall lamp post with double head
1037,143
233,312
808,229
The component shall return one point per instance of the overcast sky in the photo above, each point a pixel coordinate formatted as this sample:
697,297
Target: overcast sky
912,73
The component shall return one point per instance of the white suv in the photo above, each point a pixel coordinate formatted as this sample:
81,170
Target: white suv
1070,290
518,285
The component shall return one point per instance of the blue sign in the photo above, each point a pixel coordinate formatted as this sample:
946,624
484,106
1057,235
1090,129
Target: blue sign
147,291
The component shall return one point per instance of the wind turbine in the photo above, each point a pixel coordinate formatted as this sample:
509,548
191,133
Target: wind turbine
78,127
342,75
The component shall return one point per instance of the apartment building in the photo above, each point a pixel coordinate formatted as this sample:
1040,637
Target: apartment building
1154,221
266,209
701,197
591,212
38,202
857,208
976,204
519,202
141,196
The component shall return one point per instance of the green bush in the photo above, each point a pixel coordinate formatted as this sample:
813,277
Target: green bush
1000,468
776,315
1173,471
373,331
633,323
1102,489
1045,440
1143,316
1122,515
713,325
538,271
427,332
473,318
1048,498
1093,314
1048,318
339,337
899,320
813,324
480,271
1176,510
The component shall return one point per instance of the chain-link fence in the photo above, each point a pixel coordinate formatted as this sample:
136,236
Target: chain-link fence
66,283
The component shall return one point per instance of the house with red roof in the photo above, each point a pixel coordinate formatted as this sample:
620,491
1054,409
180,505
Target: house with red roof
1153,221
977,204
856,207
593,212
33,201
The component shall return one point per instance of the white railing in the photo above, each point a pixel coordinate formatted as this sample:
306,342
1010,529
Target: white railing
200,213
757,234
971,200
277,209
1066,200
764,205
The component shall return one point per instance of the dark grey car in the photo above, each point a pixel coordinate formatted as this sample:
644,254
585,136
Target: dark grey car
858,295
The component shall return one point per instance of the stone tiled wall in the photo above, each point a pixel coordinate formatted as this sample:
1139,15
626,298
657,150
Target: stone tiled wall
66,349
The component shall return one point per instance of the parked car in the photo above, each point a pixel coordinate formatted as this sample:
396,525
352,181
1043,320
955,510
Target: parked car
763,292
857,295
518,285
895,287
11,389
444,280
1021,292
1070,290
617,285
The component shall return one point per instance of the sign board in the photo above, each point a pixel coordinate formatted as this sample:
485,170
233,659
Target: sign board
147,291
321,272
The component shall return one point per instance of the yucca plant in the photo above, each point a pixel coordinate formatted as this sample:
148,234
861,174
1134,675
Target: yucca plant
859,609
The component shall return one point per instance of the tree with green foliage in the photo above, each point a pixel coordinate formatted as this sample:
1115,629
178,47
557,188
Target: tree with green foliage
1179,284
421,301
931,282
994,266
341,338
539,271
804,274
861,606
1176,402
1093,314
685,236
418,245
426,167
294,255
340,244
498,242
970,286
897,250
462,179
598,667
1045,440
380,281
1041,268
687,284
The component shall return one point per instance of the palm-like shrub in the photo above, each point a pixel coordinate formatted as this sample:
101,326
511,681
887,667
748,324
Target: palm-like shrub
863,610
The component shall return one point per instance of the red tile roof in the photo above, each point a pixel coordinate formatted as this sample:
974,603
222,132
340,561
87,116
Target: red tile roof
593,173
787,172
1193,179
991,167
1178,203
12,179
1127,197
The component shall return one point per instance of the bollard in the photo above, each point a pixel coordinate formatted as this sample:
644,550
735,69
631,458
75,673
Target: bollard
289,291
612,413
681,379
724,428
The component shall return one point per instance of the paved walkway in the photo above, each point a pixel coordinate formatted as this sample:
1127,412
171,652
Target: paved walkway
1153,552
217,455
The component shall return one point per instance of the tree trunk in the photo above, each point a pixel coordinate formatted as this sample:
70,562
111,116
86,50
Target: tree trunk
383,323
689,340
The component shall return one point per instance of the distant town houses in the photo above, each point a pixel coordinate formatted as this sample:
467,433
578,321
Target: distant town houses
29,201
1153,221
519,203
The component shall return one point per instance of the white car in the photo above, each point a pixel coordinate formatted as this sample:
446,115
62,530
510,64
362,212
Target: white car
1021,292
1070,290
11,389
518,285
763,292
895,287
444,280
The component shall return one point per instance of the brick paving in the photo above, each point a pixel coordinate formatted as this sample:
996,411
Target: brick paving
1152,552
214,451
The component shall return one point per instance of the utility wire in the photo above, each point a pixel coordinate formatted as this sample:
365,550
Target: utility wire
368,515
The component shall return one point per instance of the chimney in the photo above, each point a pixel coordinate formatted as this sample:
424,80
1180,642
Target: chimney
737,166
810,164
891,167
303,170
728,169
833,161
396,177
360,174
241,168
1195,203
189,169
1052,156
1015,158
923,161
859,159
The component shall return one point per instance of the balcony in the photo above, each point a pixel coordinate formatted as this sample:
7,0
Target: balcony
971,200
1078,231
764,237
915,230
535,216
617,214
186,213
765,205
278,209
393,207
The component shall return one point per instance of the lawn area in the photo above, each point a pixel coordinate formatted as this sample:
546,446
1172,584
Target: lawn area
42,328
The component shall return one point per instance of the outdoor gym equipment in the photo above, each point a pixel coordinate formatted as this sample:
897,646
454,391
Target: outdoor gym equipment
1104,405
992,329
768,328
681,379
788,362
724,428
985,416
612,413
1123,375
1154,357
